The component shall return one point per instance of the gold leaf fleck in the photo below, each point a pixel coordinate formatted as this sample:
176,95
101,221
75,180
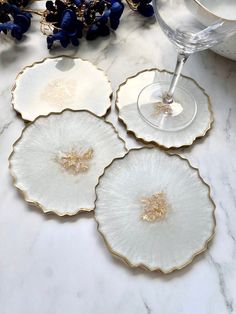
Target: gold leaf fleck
160,107
155,207
74,161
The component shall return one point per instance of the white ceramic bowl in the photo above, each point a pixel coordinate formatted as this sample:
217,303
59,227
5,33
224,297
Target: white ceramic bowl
209,11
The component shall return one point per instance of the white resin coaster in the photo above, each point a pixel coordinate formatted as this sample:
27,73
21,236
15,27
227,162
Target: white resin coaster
58,159
154,210
129,114
54,84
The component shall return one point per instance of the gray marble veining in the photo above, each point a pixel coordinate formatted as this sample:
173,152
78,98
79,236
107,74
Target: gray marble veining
52,265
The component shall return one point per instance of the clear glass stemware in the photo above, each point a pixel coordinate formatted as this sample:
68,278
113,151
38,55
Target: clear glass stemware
164,104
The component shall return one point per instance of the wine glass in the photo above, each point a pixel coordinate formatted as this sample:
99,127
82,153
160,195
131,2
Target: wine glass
164,104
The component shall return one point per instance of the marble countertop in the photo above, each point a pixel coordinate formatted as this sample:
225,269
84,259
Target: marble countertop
61,265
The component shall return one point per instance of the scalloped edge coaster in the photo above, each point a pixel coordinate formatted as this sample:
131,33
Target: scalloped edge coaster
58,159
126,103
57,83
154,210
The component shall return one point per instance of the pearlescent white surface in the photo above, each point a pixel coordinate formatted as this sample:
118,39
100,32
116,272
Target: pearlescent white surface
170,242
61,265
69,84
36,160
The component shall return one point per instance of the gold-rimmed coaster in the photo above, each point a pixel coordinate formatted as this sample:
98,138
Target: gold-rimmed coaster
126,103
57,83
58,159
154,210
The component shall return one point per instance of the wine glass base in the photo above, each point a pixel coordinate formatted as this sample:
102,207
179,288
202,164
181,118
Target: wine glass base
126,104
164,116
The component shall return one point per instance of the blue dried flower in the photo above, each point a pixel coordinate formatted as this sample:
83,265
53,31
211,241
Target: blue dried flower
13,19
82,17
144,7
70,19
70,30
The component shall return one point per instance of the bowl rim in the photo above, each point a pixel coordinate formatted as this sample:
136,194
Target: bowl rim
198,2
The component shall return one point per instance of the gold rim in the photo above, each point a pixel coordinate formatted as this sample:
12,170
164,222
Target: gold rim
133,6
211,120
143,266
24,193
210,12
42,61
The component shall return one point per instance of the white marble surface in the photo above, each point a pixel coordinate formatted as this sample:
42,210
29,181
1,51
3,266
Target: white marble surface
61,265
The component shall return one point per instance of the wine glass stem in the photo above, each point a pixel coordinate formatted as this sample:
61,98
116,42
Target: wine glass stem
181,59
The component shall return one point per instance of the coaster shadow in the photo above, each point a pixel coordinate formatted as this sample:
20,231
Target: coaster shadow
60,219
158,275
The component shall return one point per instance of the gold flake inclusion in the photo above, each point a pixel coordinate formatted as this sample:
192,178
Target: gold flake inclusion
155,207
160,107
58,91
75,162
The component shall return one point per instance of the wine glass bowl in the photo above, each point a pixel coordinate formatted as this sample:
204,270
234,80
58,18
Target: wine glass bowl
164,104
186,30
